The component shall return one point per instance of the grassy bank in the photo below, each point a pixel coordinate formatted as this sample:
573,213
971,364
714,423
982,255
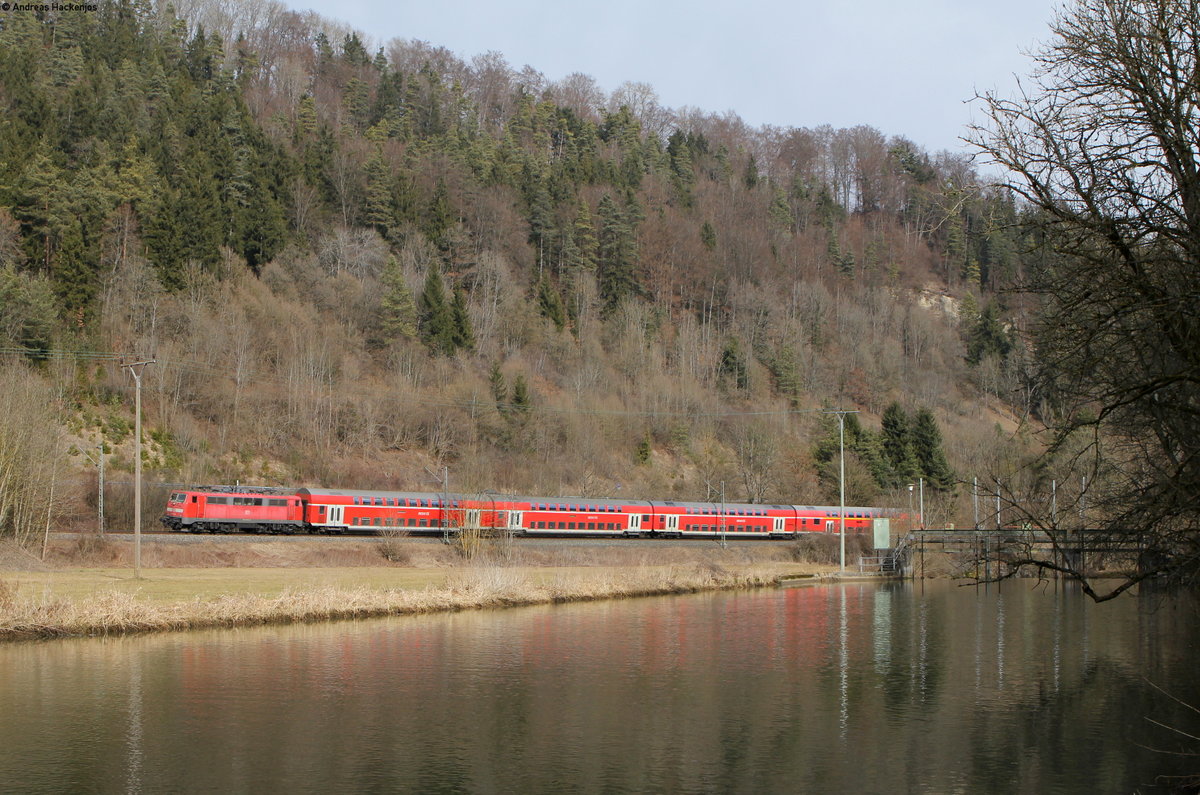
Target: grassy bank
73,597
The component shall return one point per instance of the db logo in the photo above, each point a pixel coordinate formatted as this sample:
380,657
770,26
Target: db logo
3,6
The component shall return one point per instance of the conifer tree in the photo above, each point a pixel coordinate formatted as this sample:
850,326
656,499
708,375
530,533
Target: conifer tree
733,365
521,401
439,217
550,303
437,320
499,388
987,336
398,310
927,446
898,445
751,176
781,212
584,237
617,260
464,335
377,206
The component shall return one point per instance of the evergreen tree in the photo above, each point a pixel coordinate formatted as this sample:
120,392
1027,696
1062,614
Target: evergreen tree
521,402
927,446
987,336
378,210
781,212
615,267
464,335
499,388
584,237
398,310
898,445
751,176
437,320
733,365
439,217
550,303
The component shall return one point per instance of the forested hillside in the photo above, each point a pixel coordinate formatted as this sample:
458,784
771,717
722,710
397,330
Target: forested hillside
352,262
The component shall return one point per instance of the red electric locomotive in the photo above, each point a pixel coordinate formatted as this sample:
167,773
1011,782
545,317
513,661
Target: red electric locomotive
234,509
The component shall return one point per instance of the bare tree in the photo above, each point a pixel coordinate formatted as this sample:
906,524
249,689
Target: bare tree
1103,145
29,452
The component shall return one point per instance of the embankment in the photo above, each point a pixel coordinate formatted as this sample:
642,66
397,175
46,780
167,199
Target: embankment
76,599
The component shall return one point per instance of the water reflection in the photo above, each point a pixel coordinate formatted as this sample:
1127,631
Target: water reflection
834,689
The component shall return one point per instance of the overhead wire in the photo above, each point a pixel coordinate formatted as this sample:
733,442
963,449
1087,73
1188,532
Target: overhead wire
203,368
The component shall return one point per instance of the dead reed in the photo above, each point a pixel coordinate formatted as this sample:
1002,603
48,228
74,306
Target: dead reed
24,616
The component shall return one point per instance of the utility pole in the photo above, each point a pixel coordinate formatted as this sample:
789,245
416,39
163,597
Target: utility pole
975,499
921,481
841,415
135,369
723,544
99,461
997,504
443,479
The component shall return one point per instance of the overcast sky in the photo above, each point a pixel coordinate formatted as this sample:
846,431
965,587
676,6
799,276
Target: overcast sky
906,68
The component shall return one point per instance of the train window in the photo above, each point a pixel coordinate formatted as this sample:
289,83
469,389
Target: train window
257,501
591,525
376,522
422,523
570,525
276,503
194,498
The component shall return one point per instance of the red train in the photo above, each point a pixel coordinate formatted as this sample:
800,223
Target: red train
227,509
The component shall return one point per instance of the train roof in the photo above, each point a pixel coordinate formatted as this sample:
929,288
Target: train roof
236,489
457,495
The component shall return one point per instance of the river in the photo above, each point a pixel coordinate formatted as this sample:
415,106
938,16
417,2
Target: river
851,688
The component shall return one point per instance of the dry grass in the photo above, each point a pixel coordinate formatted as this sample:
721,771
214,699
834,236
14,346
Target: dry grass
88,588
26,613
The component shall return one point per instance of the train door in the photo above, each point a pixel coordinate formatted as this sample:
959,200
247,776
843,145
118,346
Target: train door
672,527
830,526
777,528
473,515
635,525
514,520
336,514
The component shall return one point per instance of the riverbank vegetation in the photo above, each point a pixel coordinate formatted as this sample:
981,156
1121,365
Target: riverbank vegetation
63,598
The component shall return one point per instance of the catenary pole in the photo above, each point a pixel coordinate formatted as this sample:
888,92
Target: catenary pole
841,415
135,369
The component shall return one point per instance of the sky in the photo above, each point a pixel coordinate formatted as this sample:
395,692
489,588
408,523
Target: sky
905,68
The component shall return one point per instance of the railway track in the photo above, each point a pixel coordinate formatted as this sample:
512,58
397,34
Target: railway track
171,537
